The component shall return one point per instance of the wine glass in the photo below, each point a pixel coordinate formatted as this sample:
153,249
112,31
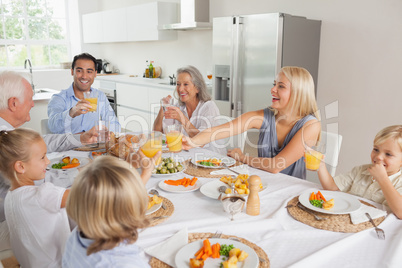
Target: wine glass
209,76
233,203
314,149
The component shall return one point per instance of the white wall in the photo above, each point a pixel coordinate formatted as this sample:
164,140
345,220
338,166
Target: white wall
360,60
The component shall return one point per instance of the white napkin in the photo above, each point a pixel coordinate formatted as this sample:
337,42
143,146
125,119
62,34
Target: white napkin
167,250
359,215
242,169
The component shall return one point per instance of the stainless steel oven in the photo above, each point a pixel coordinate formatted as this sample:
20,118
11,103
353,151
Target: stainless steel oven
109,88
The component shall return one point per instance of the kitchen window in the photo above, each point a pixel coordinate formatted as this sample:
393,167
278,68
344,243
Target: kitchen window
34,29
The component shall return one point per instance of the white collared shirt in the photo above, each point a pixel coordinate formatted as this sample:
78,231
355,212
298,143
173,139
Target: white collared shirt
360,182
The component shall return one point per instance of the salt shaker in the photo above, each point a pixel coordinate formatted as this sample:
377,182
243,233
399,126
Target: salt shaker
253,201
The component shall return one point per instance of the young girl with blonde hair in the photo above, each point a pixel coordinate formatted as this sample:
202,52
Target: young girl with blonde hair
380,181
35,215
280,147
108,202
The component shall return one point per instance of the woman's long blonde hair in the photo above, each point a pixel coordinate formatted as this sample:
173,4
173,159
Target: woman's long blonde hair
302,96
15,145
108,202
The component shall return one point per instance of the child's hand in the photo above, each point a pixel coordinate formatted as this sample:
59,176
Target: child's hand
378,172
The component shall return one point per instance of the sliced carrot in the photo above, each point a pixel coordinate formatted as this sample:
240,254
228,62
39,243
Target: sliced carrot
193,181
321,196
70,166
311,196
207,247
188,181
200,254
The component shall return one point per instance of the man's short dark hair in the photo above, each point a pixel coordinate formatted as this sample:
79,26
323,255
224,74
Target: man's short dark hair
85,56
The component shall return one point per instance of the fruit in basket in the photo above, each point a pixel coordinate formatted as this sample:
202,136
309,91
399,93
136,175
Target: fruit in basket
168,166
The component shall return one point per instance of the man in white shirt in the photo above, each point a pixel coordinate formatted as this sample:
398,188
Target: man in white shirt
15,104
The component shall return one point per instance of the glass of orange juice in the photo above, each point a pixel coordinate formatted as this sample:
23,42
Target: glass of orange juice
152,144
314,149
174,134
92,97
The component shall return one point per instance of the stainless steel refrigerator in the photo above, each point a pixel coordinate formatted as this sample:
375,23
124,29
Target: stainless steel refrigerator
249,50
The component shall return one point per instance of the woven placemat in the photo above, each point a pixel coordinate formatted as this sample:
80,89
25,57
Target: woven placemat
334,223
88,148
197,171
162,212
156,263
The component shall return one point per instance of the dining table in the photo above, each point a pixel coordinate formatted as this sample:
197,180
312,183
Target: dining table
286,241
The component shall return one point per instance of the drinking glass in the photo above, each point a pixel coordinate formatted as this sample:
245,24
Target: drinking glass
102,127
174,134
314,150
166,102
92,97
152,145
209,76
233,203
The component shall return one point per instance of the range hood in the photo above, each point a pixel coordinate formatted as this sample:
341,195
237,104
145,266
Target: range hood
194,15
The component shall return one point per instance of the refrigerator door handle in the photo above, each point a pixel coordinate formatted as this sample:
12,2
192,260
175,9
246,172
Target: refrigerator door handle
235,75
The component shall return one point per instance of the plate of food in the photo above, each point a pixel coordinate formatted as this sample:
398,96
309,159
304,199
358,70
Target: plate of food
97,153
210,189
213,162
183,185
342,203
154,204
245,256
168,167
68,162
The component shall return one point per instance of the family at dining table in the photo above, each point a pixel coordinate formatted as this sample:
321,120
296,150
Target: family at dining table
280,149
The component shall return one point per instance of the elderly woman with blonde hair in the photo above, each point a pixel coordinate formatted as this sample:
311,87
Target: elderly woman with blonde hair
280,147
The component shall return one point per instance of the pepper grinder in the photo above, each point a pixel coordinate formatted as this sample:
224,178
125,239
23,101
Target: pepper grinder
253,201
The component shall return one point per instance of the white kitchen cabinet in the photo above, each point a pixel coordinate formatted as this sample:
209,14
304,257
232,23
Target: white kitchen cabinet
114,25
143,21
132,96
134,120
92,28
135,23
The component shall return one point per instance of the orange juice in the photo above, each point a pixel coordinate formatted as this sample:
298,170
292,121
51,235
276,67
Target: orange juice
173,139
94,104
151,147
313,160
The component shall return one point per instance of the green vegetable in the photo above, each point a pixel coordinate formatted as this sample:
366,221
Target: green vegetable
316,203
206,163
225,250
168,166
59,165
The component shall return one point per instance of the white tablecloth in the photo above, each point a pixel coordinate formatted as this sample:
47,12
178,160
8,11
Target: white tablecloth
287,242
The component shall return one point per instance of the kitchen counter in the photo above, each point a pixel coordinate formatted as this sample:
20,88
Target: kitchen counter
127,79
44,94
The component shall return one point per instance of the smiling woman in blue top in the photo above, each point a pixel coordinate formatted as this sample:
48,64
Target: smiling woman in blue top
68,111
280,147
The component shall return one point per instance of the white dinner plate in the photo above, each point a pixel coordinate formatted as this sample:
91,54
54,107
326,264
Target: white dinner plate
344,203
83,162
227,160
187,252
167,175
154,208
179,188
210,189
